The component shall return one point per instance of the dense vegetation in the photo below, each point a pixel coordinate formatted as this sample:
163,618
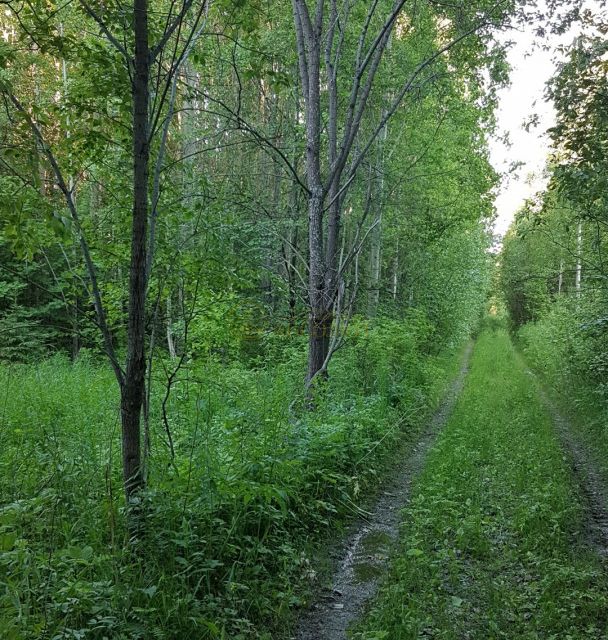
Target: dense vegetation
228,520
202,205
241,246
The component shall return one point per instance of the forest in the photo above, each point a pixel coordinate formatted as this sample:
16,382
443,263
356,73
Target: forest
266,370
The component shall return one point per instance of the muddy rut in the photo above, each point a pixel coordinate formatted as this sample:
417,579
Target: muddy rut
364,554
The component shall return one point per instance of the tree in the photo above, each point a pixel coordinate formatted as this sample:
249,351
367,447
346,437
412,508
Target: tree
143,63
337,143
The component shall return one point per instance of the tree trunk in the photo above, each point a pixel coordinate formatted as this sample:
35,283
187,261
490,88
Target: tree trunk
396,272
375,267
579,258
75,327
319,334
170,341
290,257
320,318
132,390
376,238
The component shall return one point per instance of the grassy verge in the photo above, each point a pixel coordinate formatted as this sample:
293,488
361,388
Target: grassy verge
491,541
230,521
572,362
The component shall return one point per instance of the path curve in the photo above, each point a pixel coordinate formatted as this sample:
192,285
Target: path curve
365,552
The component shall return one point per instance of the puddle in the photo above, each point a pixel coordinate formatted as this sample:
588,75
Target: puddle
372,553
364,572
376,542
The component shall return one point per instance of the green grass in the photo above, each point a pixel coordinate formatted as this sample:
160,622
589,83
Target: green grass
230,523
570,354
491,543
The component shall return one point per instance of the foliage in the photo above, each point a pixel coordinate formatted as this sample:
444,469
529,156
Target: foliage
244,478
229,521
32,313
579,91
570,352
553,268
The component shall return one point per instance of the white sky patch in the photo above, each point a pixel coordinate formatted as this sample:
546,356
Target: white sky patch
532,66
531,69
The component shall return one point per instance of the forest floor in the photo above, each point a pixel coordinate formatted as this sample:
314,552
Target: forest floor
503,532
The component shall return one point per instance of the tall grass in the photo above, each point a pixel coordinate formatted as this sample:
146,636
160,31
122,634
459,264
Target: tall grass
230,520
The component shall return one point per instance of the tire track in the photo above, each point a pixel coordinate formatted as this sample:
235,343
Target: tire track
363,556
592,484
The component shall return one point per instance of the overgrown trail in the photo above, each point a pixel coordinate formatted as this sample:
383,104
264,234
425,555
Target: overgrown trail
366,551
495,542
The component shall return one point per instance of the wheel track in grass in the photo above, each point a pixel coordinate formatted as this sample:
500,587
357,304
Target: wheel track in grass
503,542
592,484
363,556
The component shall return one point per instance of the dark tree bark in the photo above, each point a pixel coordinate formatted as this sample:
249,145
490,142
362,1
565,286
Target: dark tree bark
133,386
319,334
146,123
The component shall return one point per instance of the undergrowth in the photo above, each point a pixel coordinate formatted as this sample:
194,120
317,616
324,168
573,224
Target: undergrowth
571,355
492,544
228,521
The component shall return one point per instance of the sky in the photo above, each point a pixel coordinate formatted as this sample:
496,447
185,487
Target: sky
532,67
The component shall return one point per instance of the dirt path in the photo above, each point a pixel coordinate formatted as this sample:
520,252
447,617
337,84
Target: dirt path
592,484
364,555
